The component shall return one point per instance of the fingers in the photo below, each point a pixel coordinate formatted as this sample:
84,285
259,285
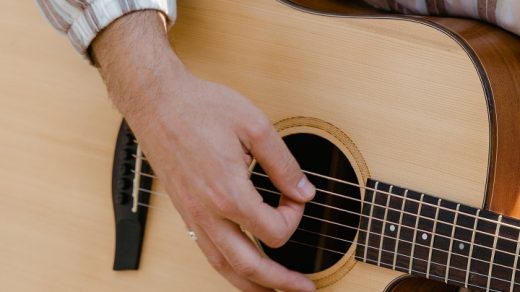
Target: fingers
275,158
273,226
246,262
220,264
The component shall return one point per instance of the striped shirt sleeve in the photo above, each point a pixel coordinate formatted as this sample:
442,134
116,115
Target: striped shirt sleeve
504,13
82,20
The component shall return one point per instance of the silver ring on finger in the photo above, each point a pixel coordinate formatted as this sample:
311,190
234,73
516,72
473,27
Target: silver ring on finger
192,235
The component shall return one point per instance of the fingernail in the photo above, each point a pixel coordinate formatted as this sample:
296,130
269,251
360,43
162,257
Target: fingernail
307,190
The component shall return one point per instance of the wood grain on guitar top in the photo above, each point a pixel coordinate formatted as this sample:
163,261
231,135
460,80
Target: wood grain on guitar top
497,56
413,98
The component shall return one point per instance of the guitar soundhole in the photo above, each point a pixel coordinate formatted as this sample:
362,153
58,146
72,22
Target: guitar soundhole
331,220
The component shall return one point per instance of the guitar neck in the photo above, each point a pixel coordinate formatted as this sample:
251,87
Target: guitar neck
438,239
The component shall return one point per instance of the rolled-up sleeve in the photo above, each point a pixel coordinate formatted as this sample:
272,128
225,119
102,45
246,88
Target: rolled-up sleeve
504,13
82,20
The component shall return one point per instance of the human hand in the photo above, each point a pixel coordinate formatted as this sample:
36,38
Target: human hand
200,138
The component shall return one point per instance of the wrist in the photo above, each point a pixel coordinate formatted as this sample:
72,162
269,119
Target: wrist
135,60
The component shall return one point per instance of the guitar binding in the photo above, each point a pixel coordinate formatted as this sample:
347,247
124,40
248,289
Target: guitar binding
130,225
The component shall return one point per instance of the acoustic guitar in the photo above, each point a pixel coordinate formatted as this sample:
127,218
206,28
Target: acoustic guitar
407,125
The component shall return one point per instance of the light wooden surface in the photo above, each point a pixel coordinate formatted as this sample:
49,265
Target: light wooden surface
417,117
57,133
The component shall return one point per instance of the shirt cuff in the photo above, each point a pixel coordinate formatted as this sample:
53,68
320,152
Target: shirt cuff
100,13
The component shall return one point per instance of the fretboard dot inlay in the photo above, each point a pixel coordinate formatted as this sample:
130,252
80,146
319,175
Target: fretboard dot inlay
439,239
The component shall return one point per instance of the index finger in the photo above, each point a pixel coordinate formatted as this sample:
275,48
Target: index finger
280,165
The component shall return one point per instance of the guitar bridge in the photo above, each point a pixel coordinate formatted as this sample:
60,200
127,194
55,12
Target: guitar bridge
128,200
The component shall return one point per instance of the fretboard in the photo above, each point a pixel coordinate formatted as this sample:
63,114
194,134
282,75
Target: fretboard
438,239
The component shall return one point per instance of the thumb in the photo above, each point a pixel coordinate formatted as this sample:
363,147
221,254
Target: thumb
269,150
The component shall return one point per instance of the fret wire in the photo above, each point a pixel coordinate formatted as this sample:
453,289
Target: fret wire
350,184
399,227
374,261
515,263
406,241
439,277
470,254
404,212
384,225
433,237
394,195
342,253
415,234
360,244
370,219
413,243
451,245
362,215
423,260
418,272
493,252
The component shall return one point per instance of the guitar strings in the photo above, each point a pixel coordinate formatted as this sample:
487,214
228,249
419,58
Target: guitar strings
397,196
389,194
387,207
354,228
369,189
359,244
414,258
393,252
468,258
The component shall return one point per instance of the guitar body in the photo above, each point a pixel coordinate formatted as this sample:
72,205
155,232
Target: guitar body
408,100
424,103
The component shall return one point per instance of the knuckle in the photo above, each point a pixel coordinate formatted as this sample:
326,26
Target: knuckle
252,224
279,235
245,269
288,166
218,263
200,216
219,239
259,129
197,212
225,206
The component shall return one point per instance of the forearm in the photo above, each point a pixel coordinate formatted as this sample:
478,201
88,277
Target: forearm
200,138
135,57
